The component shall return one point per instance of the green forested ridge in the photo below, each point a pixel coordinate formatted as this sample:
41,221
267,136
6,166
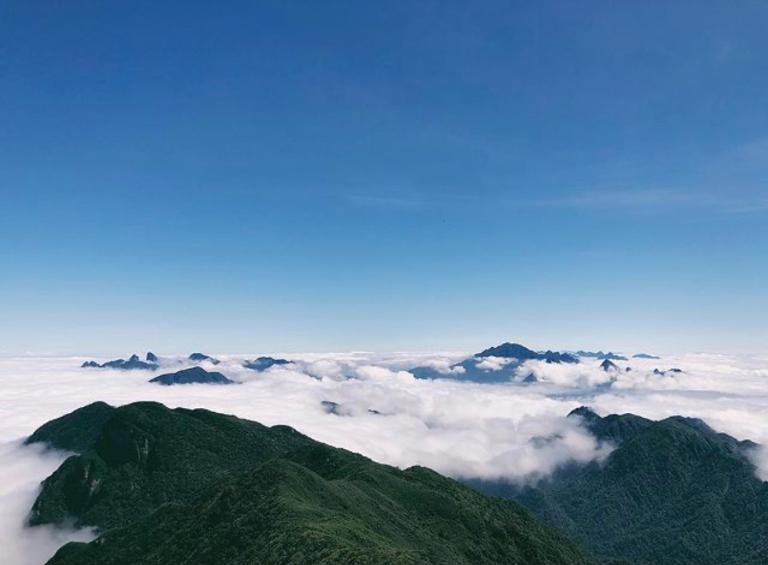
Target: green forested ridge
194,487
673,492
76,431
145,455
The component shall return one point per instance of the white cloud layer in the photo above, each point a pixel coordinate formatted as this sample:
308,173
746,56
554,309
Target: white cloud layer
512,430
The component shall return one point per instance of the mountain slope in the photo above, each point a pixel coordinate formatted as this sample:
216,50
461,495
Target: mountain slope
144,455
286,499
674,492
76,431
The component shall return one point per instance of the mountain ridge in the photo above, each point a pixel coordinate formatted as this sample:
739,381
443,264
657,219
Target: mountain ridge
672,492
193,487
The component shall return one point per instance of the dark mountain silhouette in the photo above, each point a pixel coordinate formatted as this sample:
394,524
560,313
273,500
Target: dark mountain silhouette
200,357
133,362
264,363
191,376
522,353
479,368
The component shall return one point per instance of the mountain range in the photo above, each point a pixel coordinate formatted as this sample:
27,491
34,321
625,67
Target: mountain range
193,487
133,362
599,355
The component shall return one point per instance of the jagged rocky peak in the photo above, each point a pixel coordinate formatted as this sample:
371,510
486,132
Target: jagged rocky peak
133,362
192,375
151,357
609,366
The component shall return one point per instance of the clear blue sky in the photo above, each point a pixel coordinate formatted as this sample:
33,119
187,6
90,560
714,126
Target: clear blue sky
288,176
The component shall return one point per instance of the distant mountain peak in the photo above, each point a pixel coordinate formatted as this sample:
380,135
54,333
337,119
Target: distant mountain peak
133,362
192,375
264,363
611,356
509,350
200,357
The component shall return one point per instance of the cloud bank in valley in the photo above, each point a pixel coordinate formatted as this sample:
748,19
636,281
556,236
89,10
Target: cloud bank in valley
512,431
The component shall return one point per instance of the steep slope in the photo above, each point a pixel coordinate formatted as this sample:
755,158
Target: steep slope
306,503
673,492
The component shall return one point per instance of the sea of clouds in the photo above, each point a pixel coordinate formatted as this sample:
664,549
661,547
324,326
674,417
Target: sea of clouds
511,431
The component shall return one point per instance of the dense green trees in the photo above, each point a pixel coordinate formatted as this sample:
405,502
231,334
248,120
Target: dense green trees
194,487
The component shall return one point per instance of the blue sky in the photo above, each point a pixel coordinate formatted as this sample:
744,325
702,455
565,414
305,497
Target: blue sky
294,176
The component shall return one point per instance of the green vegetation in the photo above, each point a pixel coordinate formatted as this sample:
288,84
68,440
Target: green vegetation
674,492
76,431
192,487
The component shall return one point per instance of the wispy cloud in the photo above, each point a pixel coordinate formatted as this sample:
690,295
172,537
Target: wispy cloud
657,199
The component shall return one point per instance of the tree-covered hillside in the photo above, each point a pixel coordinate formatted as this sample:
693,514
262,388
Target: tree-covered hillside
673,492
194,487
